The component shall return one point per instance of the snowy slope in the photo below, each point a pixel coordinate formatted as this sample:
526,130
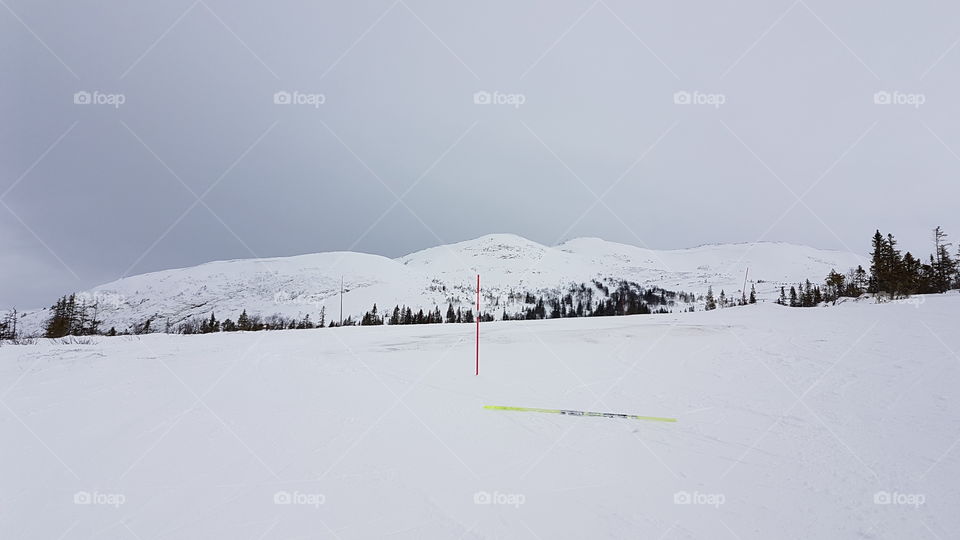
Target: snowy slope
296,286
792,423
506,261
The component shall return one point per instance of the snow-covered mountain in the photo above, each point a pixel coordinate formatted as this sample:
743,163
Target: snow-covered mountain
300,285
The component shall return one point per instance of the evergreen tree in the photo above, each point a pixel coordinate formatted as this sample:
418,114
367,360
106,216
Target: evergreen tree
886,268
8,326
753,294
711,304
911,278
59,323
944,267
371,318
878,259
451,315
554,309
835,286
243,321
307,324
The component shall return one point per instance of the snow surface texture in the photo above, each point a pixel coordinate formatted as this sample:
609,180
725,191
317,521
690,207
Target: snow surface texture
300,285
837,422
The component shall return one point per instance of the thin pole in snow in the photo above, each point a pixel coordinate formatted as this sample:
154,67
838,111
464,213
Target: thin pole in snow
341,301
744,291
478,326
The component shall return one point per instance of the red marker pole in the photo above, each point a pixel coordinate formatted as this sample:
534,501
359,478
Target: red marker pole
478,325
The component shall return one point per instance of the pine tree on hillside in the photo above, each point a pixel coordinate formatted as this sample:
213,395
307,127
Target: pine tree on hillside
8,326
59,323
944,266
878,269
857,282
886,269
911,277
711,303
753,295
835,286
243,321
371,318
213,323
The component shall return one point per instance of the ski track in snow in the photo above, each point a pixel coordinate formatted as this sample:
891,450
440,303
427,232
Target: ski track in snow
387,424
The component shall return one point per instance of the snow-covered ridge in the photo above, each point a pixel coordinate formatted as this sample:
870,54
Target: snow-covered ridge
304,284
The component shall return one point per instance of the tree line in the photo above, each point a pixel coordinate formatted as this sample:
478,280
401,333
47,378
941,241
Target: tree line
892,275
76,315
712,302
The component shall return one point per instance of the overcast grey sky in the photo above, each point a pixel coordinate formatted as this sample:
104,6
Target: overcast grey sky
91,192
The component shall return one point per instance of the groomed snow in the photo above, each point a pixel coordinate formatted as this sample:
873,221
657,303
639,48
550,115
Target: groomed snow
791,422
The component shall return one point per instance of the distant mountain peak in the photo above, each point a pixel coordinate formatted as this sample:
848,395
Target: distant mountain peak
511,268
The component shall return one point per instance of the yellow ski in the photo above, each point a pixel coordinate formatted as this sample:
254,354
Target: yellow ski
579,413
